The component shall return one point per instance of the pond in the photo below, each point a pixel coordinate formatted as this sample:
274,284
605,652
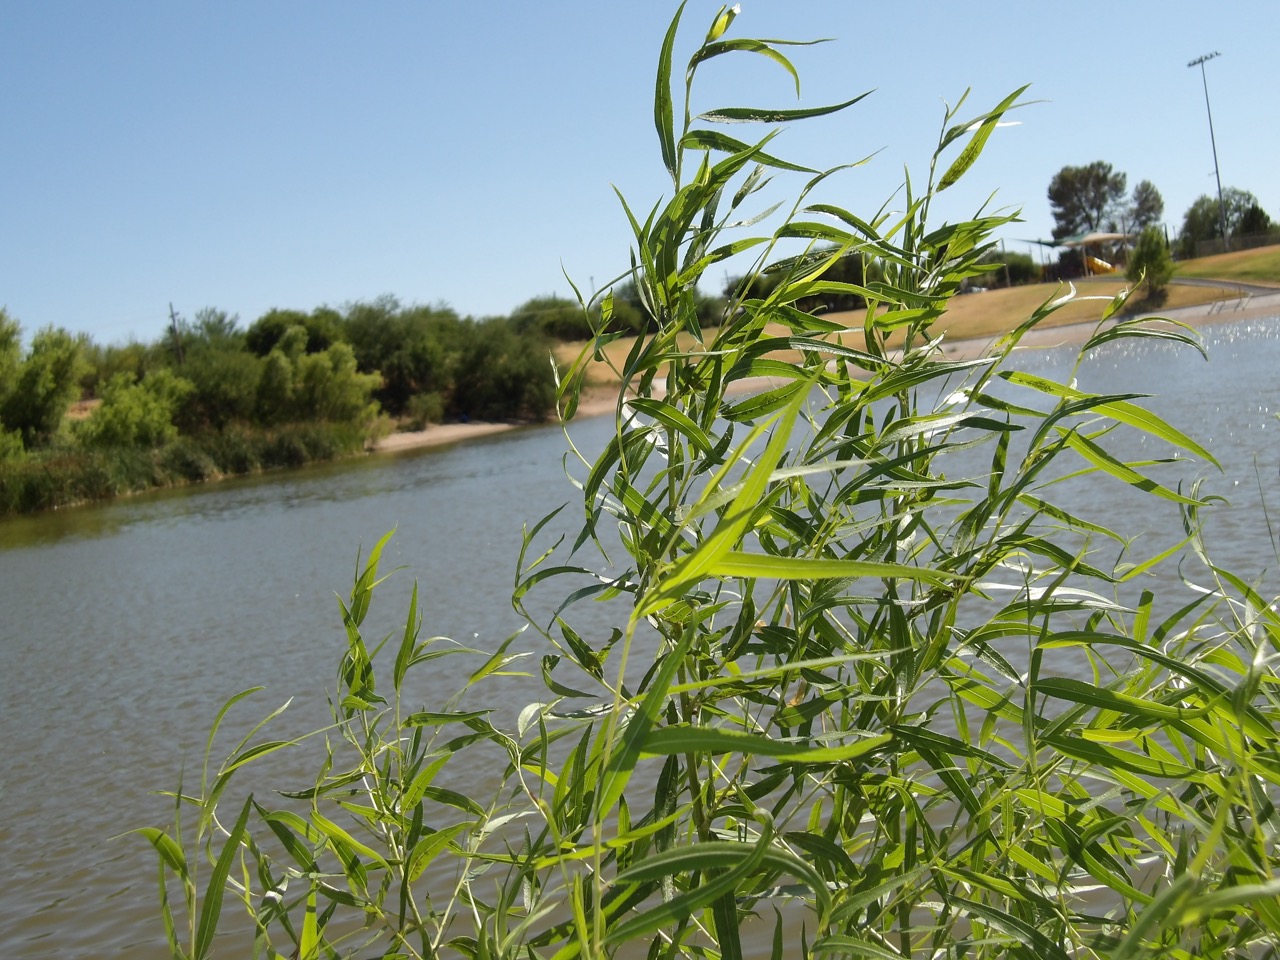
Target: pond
126,624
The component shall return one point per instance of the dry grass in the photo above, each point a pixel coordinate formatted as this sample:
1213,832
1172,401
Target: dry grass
1260,265
978,316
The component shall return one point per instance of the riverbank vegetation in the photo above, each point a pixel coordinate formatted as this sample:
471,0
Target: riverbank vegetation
80,421
211,399
859,697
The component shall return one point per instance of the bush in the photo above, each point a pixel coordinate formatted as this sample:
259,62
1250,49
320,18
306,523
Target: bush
554,317
840,706
224,382
1151,261
1010,269
425,408
186,460
321,330
45,384
135,414
328,387
413,350
503,374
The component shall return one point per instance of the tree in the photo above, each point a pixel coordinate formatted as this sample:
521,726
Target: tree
10,359
10,352
327,386
136,414
1147,207
414,349
1202,220
557,317
1009,268
502,373
1084,198
46,384
321,326
226,387
1151,260
1255,220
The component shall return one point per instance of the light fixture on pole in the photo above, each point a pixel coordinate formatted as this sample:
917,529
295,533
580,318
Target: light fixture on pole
1222,210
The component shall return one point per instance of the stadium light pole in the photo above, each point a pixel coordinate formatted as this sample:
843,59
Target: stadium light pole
1222,210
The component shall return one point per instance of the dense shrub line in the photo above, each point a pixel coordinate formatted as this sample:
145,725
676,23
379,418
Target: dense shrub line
62,476
210,398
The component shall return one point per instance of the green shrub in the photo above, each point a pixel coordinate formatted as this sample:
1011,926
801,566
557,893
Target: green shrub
414,350
11,447
275,400
555,317
840,710
328,387
503,374
321,330
44,386
135,414
425,408
186,460
224,378
1151,261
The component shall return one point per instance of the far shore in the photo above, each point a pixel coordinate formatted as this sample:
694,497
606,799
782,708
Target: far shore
600,401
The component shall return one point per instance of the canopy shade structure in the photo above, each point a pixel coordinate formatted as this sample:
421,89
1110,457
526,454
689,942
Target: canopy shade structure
1083,239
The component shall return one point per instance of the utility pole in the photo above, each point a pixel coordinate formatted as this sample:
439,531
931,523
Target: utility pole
173,331
1222,210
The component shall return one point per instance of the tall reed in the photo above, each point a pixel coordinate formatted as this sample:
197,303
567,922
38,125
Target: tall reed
841,712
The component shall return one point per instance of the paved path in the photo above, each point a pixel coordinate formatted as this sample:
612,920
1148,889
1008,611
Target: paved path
1254,289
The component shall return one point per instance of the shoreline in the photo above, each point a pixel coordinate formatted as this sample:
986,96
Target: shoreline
597,402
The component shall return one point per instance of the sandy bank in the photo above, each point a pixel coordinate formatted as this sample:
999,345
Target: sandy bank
600,402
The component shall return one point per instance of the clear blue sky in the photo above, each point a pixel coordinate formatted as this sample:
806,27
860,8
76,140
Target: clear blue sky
248,155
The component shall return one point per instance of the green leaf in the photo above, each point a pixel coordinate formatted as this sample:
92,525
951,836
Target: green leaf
1078,691
756,115
973,149
1121,411
674,419
663,111
714,140
848,946
253,753
431,718
680,739
757,565
170,850
408,640
738,859
211,909
693,567
622,760
1042,947
429,847
1122,471
761,47
1230,898
309,940
343,838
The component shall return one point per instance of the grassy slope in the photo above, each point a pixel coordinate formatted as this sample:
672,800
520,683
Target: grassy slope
981,316
1252,266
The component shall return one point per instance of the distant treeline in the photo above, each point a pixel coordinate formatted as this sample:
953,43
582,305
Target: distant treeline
209,397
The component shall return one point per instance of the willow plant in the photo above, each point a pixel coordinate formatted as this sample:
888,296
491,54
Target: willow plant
869,690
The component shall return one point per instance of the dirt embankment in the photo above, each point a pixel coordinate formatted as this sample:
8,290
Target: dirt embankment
969,335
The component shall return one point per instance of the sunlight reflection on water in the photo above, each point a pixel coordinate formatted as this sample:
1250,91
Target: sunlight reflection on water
127,623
